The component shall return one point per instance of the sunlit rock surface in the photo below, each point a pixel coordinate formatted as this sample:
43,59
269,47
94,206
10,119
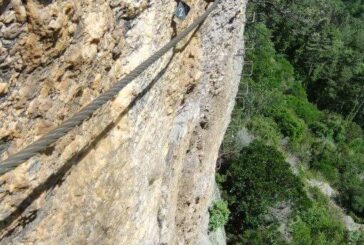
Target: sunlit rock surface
141,170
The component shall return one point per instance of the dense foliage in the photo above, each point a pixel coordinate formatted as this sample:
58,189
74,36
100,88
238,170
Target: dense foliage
332,145
259,179
323,39
303,63
256,180
318,224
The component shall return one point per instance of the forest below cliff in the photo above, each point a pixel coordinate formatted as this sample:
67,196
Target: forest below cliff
292,167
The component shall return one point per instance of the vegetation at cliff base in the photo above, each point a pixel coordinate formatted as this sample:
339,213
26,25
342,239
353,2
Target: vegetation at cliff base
298,120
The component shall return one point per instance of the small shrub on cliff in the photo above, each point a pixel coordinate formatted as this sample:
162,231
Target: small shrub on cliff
219,215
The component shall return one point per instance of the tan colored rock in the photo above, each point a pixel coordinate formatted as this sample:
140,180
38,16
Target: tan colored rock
19,10
44,105
33,108
95,26
43,127
141,169
3,88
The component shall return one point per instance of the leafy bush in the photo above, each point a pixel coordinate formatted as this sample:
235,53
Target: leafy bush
339,156
219,215
262,235
220,179
322,222
320,130
289,124
351,196
303,109
356,150
256,180
331,127
353,132
301,232
266,129
296,89
337,126
318,224
325,160
271,70
356,237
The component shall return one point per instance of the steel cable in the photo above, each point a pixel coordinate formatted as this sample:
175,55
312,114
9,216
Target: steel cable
55,134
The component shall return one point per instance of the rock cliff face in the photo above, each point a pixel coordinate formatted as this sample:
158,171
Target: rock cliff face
141,170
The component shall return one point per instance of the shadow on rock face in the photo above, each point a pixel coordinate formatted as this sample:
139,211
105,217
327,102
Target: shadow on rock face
45,2
4,5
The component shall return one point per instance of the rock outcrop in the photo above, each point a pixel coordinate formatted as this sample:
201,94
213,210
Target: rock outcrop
141,170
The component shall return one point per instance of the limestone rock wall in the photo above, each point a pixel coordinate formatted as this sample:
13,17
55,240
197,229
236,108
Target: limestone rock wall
141,170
